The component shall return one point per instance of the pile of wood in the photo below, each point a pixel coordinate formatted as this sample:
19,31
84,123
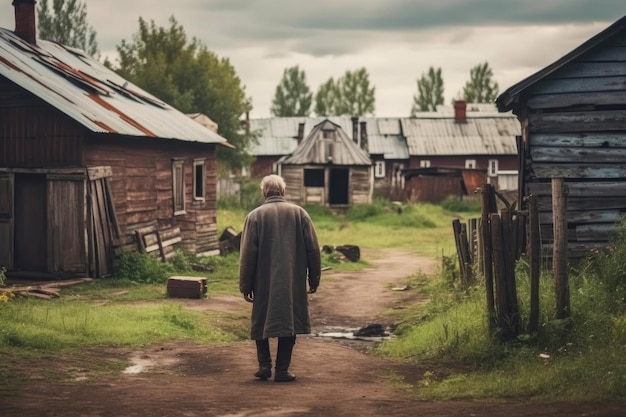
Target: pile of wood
230,241
46,291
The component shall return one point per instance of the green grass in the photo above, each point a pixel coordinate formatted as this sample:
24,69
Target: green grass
62,324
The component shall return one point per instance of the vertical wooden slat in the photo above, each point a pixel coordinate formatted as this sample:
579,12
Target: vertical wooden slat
534,256
559,255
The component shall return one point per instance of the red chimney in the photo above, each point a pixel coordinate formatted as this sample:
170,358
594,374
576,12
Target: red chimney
25,20
460,111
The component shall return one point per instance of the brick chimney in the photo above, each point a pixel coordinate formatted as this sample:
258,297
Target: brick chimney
25,26
355,129
364,144
300,132
460,111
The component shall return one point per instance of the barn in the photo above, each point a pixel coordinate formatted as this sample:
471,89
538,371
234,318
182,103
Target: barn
327,168
573,119
90,162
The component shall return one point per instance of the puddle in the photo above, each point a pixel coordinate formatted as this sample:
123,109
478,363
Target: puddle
350,334
142,362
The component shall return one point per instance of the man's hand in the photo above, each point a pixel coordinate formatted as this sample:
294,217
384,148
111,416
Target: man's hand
312,290
249,297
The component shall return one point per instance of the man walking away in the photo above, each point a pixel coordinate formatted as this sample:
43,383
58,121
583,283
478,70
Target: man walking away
279,253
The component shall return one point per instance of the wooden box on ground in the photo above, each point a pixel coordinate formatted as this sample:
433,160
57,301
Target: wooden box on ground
186,287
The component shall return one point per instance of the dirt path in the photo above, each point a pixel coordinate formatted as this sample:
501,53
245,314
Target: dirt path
334,379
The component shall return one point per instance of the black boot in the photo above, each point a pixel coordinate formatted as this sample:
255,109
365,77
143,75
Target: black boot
265,359
283,359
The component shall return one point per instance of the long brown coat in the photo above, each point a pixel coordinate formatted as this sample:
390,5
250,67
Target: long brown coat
279,251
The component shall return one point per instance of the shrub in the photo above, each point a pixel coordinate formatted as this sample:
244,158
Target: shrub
456,205
141,267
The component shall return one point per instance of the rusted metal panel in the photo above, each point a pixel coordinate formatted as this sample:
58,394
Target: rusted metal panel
91,94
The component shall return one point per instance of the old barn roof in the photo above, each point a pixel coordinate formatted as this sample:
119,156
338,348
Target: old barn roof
337,148
91,94
479,136
509,99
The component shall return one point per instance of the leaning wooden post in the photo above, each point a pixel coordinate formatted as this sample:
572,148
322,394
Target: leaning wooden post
559,255
534,259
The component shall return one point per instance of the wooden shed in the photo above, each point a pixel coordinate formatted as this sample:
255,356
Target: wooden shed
435,184
89,162
328,168
573,118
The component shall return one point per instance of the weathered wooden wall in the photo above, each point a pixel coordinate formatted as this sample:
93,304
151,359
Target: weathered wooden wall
359,191
575,128
142,187
34,135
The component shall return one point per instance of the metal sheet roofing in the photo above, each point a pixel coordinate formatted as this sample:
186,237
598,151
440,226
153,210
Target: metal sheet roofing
338,148
479,136
91,94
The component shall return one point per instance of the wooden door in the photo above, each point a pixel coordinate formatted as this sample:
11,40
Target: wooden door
66,224
6,220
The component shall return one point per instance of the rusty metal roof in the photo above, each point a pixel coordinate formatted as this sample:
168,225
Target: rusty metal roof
91,94
278,135
328,143
479,136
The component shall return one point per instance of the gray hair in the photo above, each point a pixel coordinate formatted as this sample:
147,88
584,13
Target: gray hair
273,185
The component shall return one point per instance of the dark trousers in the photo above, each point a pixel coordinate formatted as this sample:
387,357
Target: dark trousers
283,356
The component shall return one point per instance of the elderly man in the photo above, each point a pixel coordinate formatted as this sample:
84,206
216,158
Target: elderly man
279,254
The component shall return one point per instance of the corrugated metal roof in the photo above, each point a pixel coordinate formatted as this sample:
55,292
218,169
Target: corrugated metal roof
338,150
479,136
91,94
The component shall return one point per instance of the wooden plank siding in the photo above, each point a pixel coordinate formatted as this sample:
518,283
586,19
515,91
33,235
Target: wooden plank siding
141,185
576,130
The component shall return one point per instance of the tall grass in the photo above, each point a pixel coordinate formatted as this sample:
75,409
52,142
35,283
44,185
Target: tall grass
583,358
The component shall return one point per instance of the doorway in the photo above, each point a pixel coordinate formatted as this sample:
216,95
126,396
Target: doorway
30,230
338,186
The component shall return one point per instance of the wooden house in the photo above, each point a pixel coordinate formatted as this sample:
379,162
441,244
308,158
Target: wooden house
573,119
433,185
471,137
327,168
89,161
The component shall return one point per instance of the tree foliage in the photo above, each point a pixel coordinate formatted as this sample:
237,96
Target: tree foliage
66,23
429,91
293,96
480,88
326,98
350,95
191,78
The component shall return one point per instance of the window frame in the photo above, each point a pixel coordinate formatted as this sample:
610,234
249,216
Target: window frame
492,168
178,186
470,164
425,163
379,169
199,182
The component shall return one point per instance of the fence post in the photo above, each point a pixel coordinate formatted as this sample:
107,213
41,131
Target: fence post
534,259
559,255
485,240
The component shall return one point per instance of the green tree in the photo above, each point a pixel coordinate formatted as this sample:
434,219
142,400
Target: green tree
480,88
191,78
326,98
357,97
293,96
66,23
429,91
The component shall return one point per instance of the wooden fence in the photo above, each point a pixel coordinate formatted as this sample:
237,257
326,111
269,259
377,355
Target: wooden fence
489,247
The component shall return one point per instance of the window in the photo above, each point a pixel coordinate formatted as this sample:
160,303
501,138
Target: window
493,168
313,177
425,163
178,186
470,164
379,169
328,134
199,179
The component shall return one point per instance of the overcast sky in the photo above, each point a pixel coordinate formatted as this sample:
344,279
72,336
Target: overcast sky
395,40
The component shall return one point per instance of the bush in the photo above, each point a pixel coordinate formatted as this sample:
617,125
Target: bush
456,205
141,267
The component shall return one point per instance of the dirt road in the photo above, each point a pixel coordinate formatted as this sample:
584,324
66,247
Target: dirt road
334,378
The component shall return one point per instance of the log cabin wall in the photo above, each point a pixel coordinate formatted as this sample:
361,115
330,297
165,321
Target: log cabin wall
574,127
142,186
